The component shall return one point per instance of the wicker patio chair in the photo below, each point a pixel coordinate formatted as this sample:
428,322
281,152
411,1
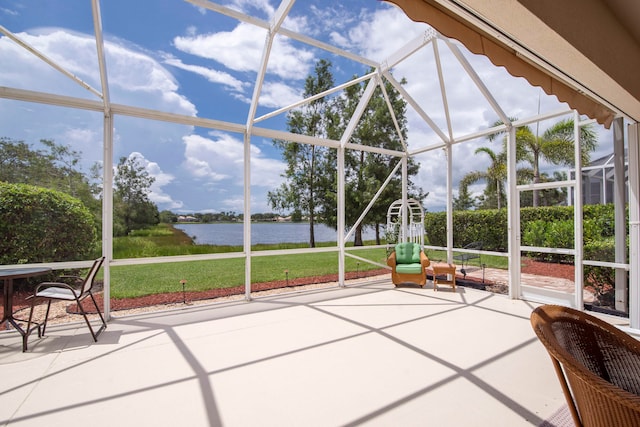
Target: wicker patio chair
63,291
598,365
407,263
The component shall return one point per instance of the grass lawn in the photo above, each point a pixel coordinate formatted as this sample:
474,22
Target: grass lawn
140,280
164,240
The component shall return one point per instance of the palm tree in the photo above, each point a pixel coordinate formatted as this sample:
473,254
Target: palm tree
495,177
555,146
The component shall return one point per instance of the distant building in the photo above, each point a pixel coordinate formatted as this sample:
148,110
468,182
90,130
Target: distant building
598,181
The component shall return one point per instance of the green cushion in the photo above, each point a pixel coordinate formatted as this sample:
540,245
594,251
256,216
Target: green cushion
409,268
407,253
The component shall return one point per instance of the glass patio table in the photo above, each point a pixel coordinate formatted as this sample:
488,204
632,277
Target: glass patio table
7,276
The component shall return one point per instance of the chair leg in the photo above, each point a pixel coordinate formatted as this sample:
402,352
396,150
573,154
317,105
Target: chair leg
104,324
86,319
567,392
46,317
28,331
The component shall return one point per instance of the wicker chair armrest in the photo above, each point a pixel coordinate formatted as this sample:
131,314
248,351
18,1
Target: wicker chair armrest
391,261
424,260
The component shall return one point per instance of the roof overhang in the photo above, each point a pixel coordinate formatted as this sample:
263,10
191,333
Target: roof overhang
585,52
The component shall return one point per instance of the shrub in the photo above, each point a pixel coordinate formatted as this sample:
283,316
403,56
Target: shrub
601,279
535,233
41,225
490,225
560,235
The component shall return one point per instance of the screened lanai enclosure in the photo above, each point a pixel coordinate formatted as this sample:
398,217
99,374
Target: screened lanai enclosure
198,91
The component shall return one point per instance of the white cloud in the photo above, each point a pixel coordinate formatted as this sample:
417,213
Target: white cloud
212,160
328,21
213,76
220,157
216,162
339,39
383,32
252,6
241,50
278,95
134,77
7,11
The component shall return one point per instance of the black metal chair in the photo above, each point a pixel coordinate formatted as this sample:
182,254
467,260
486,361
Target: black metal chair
63,291
467,256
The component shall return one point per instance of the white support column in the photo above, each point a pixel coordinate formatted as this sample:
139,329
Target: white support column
107,161
578,241
634,225
619,199
341,214
247,217
268,44
107,210
360,108
449,154
513,216
405,209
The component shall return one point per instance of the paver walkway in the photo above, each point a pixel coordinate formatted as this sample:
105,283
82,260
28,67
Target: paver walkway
498,276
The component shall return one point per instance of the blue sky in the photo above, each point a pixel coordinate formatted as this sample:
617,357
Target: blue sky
172,56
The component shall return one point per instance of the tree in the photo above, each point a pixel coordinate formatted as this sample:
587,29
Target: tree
495,177
43,225
56,167
305,161
366,171
556,146
132,208
168,217
311,188
464,201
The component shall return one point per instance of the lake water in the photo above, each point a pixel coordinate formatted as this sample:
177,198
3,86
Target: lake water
262,232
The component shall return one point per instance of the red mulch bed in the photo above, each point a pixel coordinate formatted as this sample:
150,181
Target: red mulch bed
549,269
565,271
177,297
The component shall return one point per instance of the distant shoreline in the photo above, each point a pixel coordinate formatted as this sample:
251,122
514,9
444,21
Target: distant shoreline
262,233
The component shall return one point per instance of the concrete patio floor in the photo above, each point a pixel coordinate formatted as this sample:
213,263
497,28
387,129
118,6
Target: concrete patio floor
367,354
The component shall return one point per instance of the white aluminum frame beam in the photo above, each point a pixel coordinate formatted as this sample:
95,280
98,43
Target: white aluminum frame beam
392,113
107,161
578,237
49,61
443,90
619,190
513,217
359,111
418,109
314,97
278,18
408,49
492,130
477,80
373,200
633,151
